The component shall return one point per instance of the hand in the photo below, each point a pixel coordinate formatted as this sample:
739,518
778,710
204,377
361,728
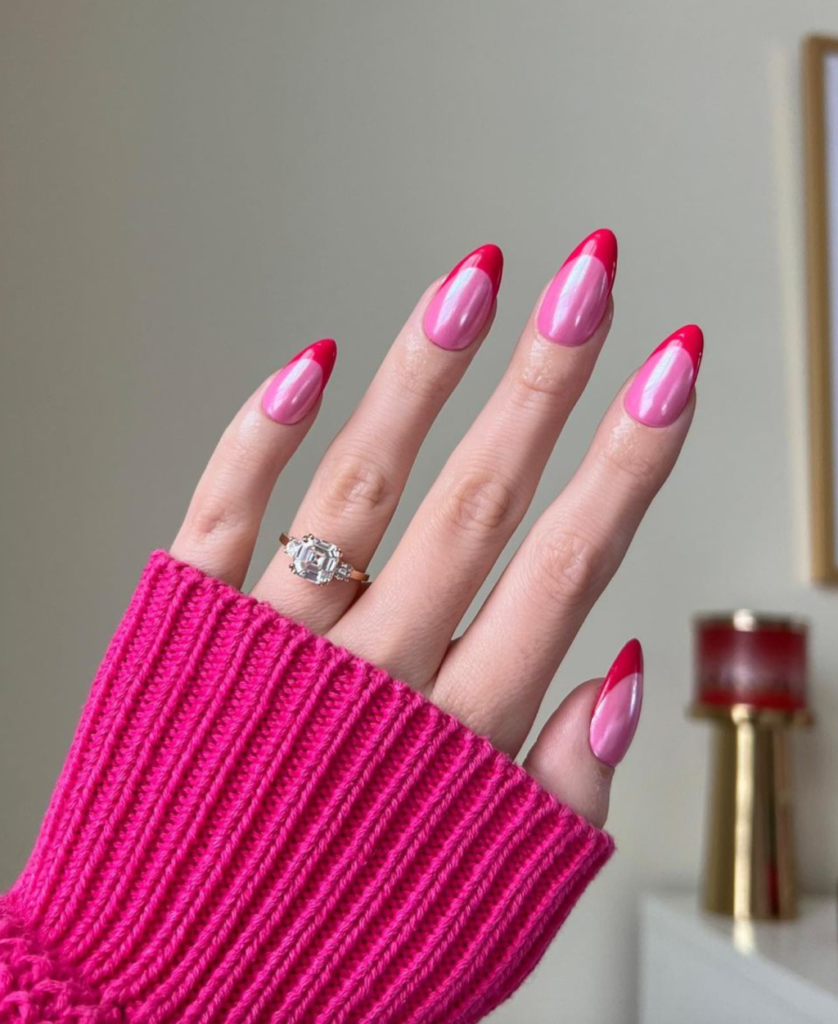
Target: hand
494,677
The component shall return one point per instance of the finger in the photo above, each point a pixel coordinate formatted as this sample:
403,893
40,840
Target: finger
359,482
406,619
220,529
578,749
495,676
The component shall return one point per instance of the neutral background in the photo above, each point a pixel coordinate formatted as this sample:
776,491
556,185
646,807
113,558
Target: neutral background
192,191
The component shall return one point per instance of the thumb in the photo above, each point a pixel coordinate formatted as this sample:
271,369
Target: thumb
576,752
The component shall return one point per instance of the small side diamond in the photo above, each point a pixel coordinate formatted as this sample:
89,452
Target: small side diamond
292,547
343,571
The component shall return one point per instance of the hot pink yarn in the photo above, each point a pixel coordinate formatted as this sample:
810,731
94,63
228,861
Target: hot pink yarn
254,825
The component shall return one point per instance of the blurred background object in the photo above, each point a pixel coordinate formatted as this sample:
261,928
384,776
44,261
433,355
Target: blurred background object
190,192
820,126
750,685
745,657
699,968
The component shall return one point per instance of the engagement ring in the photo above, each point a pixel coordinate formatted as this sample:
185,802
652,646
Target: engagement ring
318,561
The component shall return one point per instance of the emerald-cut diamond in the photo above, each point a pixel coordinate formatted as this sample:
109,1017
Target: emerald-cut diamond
314,559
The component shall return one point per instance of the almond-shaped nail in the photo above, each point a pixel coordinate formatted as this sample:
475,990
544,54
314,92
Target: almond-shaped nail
458,312
664,383
617,709
295,388
575,303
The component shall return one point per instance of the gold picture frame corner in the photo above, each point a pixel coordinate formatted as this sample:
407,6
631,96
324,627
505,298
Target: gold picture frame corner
824,565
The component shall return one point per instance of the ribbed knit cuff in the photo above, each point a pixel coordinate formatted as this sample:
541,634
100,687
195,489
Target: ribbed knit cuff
254,825
36,988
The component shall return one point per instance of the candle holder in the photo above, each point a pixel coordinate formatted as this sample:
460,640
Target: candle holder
750,684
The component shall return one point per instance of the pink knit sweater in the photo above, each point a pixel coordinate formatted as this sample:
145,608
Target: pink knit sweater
254,825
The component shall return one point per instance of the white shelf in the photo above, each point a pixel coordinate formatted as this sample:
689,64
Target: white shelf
698,968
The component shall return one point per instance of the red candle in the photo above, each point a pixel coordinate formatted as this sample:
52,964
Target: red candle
745,658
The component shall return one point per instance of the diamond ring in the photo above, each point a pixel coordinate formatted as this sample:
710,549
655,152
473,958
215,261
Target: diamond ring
318,561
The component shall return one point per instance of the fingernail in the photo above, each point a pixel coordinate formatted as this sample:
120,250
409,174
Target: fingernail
575,302
459,310
297,386
617,709
664,383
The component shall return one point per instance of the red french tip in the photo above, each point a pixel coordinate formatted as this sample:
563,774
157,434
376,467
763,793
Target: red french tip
323,352
691,339
627,663
487,258
602,244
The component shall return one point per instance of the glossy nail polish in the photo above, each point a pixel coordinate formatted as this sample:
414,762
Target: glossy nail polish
663,384
297,386
575,303
617,709
459,310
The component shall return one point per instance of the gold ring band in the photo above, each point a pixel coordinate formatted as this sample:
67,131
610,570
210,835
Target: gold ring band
318,561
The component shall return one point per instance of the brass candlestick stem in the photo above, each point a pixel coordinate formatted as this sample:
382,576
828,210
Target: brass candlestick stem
749,869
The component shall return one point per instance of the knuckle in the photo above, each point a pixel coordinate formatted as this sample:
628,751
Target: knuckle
216,521
572,566
242,449
220,510
480,504
536,382
625,454
542,378
357,485
417,375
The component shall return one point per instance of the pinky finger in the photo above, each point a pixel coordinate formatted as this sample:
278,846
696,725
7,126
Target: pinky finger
588,735
219,532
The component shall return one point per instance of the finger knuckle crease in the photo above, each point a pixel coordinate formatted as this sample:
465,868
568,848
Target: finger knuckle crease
627,456
358,484
481,504
241,447
571,566
214,521
537,382
414,376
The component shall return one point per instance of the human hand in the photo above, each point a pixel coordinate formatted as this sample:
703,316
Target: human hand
252,825
494,677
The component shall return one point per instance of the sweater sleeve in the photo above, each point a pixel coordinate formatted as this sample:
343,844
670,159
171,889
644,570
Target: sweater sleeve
253,825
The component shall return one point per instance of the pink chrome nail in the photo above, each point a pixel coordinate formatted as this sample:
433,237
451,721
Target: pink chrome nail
617,709
663,384
297,386
575,302
460,308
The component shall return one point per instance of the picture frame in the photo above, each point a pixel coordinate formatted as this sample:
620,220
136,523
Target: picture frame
820,96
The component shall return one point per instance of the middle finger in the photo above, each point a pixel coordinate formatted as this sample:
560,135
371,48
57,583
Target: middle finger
404,622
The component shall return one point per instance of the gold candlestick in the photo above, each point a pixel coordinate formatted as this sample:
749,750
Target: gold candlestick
749,865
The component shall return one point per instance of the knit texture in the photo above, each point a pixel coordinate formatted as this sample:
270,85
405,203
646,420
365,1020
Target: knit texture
254,825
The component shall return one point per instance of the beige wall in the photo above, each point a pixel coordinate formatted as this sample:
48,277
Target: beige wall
190,191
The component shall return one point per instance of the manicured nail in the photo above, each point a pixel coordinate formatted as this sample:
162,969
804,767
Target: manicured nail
459,310
577,298
617,709
664,383
297,386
